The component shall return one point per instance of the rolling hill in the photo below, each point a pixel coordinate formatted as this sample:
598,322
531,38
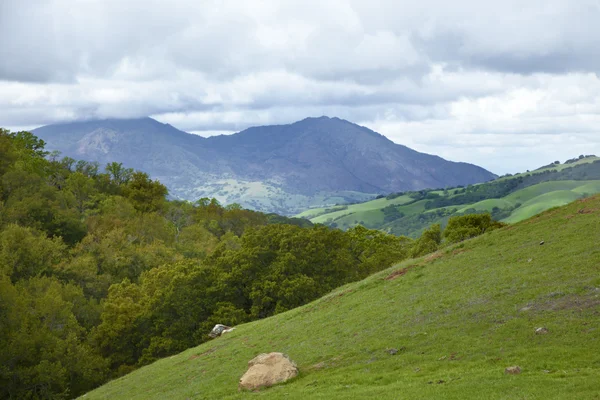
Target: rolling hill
457,317
281,168
509,199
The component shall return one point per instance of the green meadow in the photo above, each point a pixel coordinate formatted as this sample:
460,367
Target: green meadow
458,318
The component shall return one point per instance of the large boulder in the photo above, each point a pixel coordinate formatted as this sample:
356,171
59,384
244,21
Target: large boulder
268,369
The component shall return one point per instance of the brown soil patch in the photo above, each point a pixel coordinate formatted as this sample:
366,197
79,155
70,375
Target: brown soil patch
586,199
396,274
459,251
587,211
434,256
583,211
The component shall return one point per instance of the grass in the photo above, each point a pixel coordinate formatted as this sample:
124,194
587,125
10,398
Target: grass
487,205
458,317
526,202
558,167
357,209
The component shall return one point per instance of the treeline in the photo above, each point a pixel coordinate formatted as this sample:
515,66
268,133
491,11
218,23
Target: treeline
100,274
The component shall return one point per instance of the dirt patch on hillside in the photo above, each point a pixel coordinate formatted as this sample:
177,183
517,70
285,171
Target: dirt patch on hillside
583,211
587,199
459,251
396,274
433,256
587,211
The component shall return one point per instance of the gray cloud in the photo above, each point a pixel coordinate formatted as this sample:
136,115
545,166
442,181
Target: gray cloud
439,76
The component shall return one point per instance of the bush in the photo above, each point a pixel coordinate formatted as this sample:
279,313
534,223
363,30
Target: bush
428,242
467,226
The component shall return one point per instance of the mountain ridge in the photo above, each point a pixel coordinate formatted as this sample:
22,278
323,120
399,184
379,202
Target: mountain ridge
282,168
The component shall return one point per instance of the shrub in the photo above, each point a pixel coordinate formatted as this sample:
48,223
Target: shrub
467,226
428,242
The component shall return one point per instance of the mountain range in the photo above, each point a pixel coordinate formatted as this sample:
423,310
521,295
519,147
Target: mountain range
281,168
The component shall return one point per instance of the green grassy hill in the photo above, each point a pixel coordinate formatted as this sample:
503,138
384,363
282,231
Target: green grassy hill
458,317
525,195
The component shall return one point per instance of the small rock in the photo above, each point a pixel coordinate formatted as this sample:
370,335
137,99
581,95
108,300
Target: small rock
267,370
516,370
541,243
219,329
392,351
530,260
541,330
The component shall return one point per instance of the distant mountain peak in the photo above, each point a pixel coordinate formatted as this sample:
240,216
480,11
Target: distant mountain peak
283,168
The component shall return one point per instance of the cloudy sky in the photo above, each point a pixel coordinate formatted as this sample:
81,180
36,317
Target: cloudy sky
509,85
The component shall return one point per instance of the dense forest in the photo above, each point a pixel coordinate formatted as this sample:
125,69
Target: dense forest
100,273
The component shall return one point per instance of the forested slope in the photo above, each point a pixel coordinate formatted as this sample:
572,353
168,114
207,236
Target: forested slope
100,274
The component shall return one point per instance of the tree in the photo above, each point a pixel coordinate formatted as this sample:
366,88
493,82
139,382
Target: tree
82,188
26,252
119,174
44,353
428,242
145,194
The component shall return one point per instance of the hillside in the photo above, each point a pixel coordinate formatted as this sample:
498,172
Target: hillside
101,274
458,317
282,168
509,199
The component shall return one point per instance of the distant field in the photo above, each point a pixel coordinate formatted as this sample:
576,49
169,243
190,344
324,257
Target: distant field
487,205
414,214
457,319
355,208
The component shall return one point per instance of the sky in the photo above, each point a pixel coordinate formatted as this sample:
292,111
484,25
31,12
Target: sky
508,85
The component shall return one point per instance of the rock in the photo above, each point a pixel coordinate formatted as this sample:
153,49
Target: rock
267,370
219,329
541,330
392,351
541,243
516,370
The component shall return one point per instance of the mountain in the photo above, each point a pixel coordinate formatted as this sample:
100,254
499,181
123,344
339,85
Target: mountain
457,318
281,168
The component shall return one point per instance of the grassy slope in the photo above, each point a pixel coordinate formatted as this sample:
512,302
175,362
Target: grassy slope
558,167
533,200
353,208
459,317
369,213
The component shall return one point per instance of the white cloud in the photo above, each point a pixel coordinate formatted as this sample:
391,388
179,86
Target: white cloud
509,85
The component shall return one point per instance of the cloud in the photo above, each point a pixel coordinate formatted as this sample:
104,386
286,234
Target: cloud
507,84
